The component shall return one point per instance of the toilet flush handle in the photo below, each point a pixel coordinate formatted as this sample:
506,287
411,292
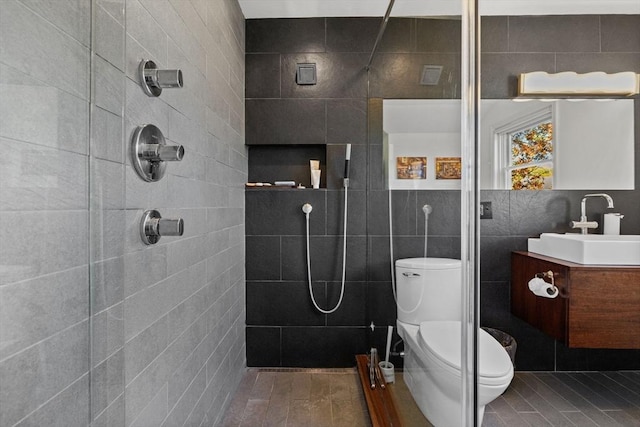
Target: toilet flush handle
405,274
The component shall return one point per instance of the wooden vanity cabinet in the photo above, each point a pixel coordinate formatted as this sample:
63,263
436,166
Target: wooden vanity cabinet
597,306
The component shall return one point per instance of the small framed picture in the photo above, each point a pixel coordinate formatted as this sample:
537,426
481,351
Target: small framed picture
411,167
448,167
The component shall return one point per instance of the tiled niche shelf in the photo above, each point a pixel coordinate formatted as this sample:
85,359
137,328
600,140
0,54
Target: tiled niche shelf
270,163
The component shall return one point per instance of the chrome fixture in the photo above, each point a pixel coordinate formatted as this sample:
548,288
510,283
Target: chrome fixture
347,159
405,274
149,152
383,26
153,80
584,225
153,226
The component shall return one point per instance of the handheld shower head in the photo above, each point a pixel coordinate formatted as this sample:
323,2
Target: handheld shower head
307,208
427,209
347,159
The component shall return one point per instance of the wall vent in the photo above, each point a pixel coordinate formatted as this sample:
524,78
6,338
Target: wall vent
306,74
430,75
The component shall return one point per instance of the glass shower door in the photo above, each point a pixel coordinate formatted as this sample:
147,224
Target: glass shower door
107,214
62,216
45,51
419,125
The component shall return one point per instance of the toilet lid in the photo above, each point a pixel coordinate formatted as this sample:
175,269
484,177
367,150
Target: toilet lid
442,340
429,263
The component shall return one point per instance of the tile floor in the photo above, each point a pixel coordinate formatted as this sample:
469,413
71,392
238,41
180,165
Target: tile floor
568,399
298,397
328,398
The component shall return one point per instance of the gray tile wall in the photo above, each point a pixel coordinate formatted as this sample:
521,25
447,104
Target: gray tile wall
334,112
154,335
44,222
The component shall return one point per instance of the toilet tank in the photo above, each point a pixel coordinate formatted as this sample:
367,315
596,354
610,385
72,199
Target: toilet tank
428,289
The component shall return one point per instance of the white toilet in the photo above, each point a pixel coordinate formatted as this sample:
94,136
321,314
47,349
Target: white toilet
429,292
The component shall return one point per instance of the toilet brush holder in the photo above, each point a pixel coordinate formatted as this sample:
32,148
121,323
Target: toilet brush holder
387,371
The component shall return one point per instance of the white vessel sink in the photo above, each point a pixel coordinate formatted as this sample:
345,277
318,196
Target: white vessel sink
589,248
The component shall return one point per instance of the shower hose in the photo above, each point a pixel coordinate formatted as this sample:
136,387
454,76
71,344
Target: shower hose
344,261
391,256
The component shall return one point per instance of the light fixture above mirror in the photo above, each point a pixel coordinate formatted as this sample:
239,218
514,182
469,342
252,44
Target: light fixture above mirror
570,83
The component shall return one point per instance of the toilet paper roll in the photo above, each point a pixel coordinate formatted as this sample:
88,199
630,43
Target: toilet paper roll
542,289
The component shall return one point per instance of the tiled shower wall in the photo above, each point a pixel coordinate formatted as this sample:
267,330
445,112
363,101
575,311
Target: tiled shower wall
283,329
95,327
44,276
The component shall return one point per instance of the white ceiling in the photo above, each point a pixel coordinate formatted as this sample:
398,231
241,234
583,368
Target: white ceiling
335,8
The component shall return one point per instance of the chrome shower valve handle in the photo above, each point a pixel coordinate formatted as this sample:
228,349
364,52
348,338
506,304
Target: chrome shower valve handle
150,151
153,226
161,153
153,80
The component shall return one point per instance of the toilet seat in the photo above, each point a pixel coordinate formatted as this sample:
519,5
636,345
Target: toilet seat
441,340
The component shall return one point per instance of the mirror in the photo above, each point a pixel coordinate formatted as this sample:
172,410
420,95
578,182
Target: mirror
581,144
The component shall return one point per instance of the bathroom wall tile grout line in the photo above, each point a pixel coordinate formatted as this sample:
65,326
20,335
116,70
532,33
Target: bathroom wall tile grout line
84,376
53,335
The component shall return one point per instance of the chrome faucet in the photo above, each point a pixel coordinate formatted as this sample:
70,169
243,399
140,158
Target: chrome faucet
584,225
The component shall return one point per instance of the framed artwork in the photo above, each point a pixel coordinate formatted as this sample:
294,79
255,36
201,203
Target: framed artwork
411,167
448,167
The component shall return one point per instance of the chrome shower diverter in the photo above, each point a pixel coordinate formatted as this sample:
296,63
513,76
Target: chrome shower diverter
153,226
150,151
153,80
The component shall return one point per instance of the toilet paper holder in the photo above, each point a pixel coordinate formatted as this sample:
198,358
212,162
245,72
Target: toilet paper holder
545,274
548,274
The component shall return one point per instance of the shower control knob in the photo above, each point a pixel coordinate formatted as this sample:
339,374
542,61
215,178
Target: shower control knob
150,151
162,153
153,226
153,80
170,227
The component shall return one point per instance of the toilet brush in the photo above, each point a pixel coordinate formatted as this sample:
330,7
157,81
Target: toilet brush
386,366
389,333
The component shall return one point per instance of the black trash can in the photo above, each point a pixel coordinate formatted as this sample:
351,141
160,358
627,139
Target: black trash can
506,340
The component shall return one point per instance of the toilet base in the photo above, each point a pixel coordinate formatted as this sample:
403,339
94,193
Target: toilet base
437,392
441,410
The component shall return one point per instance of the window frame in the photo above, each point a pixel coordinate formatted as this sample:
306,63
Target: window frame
502,145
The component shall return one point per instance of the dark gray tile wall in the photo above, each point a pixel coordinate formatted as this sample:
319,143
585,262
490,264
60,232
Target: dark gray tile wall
283,329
